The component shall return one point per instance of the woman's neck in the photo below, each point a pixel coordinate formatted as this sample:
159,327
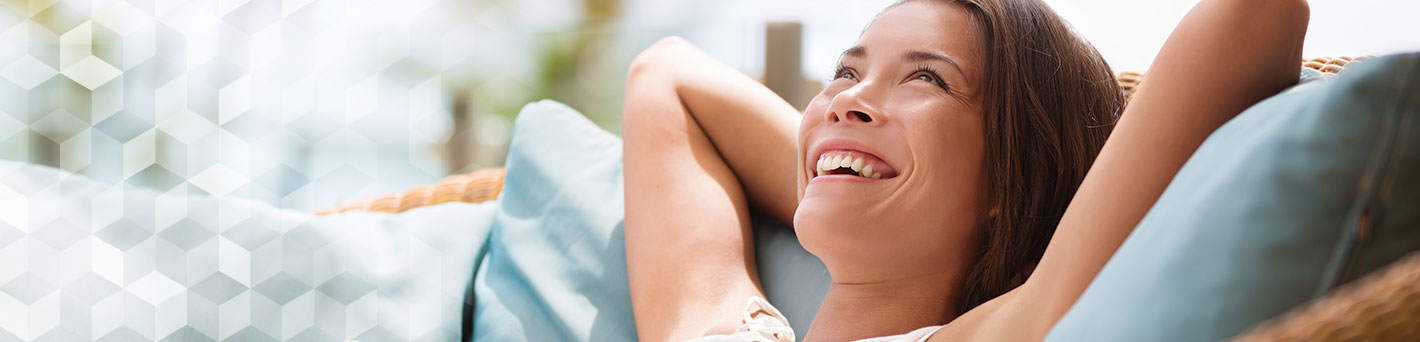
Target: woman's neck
853,311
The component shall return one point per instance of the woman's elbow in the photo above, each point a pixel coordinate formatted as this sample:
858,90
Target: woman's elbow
1292,15
651,83
1287,30
655,60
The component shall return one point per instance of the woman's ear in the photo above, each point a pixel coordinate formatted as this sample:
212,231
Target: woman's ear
993,212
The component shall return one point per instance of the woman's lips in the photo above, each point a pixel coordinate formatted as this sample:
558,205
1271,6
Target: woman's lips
854,163
839,156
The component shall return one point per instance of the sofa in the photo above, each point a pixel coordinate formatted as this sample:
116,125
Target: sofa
1382,305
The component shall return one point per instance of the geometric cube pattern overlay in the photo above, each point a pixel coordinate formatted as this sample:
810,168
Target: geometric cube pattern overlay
298,103
84,260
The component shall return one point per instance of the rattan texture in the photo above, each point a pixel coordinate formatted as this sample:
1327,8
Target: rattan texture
474,187
1383,306
1129,81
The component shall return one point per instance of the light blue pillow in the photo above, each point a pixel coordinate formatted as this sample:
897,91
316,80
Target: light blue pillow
1311,188
555,268
82,260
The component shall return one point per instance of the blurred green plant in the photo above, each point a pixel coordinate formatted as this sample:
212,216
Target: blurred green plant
566,61
573,65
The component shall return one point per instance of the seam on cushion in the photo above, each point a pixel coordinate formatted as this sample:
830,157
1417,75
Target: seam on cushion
1365,211
1406,107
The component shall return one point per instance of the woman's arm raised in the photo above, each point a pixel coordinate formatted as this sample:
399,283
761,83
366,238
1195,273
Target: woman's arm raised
1223,57
703,143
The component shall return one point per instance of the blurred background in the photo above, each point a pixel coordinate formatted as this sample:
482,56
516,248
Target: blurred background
305,104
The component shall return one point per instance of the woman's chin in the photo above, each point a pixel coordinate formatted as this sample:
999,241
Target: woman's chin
828,220
837,237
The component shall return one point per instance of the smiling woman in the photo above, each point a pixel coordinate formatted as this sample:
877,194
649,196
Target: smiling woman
932,171
975,126
914,234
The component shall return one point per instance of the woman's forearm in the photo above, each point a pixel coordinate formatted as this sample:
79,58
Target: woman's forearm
753,129
1223,57
689,248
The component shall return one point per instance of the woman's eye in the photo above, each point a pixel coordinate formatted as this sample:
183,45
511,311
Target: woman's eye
928,78
845,73
932,78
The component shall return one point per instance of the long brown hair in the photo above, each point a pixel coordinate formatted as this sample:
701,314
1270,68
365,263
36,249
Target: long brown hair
1049,101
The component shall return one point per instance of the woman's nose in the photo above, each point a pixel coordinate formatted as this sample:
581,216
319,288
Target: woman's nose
849,116
852,106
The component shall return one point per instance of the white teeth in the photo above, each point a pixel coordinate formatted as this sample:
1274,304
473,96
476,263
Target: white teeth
860,165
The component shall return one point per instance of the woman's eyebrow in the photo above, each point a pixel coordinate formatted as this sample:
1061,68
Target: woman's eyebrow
856,51
919,56
911,56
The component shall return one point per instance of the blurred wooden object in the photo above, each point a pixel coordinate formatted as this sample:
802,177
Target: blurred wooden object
459,147
783,61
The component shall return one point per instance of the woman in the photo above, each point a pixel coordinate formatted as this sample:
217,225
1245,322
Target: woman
941,174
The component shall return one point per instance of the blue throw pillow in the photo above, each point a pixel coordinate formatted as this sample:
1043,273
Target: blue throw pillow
555,266
1306,190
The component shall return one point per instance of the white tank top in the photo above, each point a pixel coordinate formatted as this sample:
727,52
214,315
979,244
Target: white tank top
762,322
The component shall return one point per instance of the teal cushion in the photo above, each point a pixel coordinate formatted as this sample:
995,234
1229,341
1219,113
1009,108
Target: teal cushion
1306,190
555,267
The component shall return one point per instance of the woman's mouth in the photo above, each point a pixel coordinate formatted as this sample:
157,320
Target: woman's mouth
854,163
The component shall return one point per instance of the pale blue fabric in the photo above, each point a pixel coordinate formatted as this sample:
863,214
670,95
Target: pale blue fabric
1268,213
555,267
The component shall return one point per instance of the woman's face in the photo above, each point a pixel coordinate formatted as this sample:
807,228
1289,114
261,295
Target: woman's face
891,152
